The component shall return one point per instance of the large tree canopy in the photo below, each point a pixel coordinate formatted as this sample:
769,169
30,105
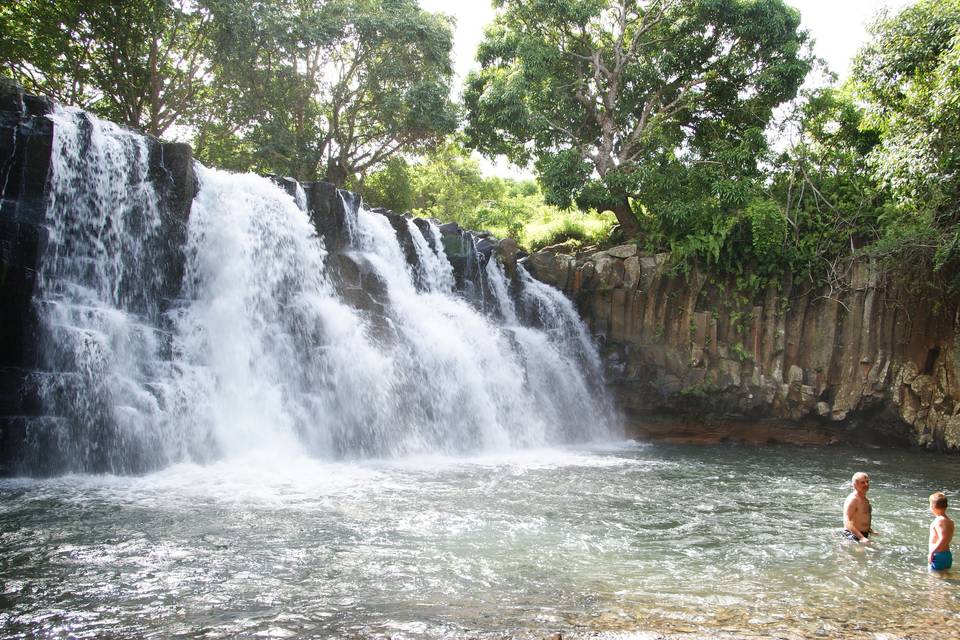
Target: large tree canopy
141,64
308,88
605,94
909,77
330,89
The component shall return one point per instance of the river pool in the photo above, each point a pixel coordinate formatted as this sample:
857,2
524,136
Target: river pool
618,541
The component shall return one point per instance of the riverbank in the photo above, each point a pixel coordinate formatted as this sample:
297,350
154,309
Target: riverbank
666,430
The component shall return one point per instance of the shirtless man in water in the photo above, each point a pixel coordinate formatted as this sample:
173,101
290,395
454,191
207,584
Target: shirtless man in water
857,511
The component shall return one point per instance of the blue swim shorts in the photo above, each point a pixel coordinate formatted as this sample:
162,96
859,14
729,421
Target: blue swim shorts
941,560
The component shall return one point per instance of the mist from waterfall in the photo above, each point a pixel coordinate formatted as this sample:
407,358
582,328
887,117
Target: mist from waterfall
262,354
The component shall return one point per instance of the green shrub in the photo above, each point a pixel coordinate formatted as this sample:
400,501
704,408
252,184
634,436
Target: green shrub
561,226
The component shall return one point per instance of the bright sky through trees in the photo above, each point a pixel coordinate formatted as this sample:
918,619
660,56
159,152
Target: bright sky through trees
839,28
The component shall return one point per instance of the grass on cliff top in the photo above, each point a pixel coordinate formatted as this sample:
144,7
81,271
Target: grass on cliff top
574,228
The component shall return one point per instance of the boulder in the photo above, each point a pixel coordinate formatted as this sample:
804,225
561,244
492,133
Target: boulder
548,267
609,272
623,251
507,252
631,273
333,212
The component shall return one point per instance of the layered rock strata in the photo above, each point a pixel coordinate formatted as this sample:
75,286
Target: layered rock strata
872,361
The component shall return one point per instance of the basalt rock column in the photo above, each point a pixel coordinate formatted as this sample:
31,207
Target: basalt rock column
25,146
687,353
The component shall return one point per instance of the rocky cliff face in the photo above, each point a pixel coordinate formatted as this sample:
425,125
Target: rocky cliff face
871,362
687,356
27,136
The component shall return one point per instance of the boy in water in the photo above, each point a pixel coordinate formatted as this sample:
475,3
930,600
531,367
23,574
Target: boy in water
941,533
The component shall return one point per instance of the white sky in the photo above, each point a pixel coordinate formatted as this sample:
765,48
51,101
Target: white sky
838,28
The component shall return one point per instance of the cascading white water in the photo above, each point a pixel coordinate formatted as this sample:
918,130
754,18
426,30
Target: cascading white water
105,384
262,354
435,271
561,362
300,197
498,284
477,381
258,315
554,312
446,278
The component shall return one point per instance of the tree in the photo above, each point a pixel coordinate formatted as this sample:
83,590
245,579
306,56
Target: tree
390,186
601,92
829,197
141,64
909,77
448,185
330,89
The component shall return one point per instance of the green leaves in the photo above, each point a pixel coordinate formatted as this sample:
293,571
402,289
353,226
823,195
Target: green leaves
909,78
447,185
563,175
329,90
768,228
295,87
595,91
141,64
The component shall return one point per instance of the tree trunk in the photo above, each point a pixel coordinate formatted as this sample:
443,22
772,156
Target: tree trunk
336,172
625,216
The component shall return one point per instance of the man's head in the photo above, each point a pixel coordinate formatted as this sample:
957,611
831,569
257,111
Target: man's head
938,502
861,482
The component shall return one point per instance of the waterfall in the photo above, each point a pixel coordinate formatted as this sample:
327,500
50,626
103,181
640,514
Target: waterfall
446,280
548,308
266,349
435,271
500,287
300,197
259,314
104,383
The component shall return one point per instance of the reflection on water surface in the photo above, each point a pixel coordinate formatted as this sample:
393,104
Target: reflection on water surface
625,541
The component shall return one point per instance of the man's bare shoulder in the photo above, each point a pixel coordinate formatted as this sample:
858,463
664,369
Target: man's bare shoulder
853,498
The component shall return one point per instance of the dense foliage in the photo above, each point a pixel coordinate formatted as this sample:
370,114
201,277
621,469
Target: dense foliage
329,89
447,184
657,112
909,78
621,102
869,168
828,199
142,64
296,87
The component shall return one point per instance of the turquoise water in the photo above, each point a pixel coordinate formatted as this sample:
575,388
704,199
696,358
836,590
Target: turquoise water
620,541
